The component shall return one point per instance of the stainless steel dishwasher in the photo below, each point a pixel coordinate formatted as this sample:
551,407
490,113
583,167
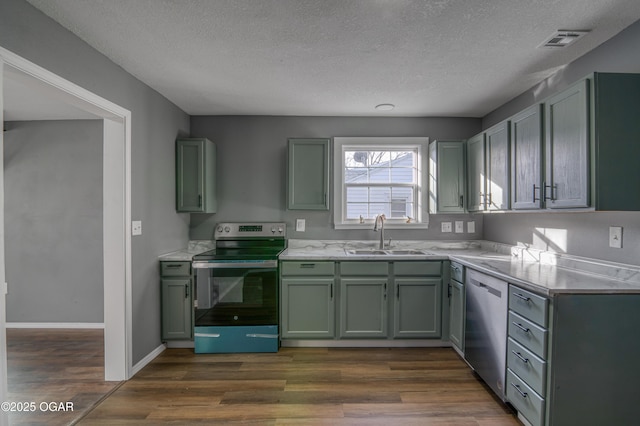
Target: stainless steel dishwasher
485,336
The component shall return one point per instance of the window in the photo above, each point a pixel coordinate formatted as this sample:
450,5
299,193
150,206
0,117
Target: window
375,176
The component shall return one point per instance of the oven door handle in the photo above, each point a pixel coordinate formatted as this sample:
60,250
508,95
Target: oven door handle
264,264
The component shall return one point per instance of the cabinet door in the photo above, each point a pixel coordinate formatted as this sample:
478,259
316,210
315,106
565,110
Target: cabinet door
475,173
417,306
195,176
176,309
567,148
448,177
497,169
526,159
308,174
308,308
456,315
363,307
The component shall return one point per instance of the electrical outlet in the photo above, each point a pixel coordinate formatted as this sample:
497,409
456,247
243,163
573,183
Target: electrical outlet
459,226
446,226
615,236
136,227
300,225
471,227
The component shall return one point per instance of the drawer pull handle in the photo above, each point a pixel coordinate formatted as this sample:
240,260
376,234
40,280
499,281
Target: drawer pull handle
522,394
173,265
307,265
522,296
519,355
521,327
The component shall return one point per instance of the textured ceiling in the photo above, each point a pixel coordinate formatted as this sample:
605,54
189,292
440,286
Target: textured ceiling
339,57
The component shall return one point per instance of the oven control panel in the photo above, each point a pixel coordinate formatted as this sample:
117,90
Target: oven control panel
259,229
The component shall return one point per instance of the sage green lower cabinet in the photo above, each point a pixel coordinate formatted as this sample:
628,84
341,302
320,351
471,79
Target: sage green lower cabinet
456,314
363,307
588,373
176,301
417,307
307,300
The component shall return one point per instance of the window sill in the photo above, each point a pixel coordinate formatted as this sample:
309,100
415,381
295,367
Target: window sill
369,226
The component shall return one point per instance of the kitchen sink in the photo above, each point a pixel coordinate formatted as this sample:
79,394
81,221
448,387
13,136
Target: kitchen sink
367,252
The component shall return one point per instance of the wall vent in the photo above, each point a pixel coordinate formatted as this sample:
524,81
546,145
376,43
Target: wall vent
563,38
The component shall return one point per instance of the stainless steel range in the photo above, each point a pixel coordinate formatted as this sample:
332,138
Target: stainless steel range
237,289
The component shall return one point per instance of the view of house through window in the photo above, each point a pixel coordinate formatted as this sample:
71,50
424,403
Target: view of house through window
376,176
380,181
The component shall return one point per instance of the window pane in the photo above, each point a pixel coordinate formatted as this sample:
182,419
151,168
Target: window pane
355,210
402,193
357,195
380,175
378,208
379,195
379,159
402,175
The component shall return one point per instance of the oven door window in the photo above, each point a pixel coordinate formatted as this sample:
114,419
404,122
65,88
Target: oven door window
237,296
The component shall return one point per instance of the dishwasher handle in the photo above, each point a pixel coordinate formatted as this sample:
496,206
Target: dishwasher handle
489,288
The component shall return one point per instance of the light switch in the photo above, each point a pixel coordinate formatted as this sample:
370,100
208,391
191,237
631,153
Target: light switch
446,226
615,236
136,227
471,227
459,226
300,225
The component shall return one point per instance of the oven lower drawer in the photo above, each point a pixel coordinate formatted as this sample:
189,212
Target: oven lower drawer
236,339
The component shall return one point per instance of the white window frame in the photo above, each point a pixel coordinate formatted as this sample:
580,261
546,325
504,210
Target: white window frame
342,144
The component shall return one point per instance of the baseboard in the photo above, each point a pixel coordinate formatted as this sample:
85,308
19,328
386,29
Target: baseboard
147,359
355,343
95,325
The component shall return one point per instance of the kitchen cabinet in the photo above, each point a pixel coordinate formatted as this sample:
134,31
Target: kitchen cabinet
417,299
570,359
497,167
456,307
363,299
308,300
447,176
308,174
567,148
526,159
589,161
195,176
476,164
176,301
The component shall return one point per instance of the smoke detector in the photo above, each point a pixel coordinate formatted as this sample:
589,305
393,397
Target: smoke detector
563,38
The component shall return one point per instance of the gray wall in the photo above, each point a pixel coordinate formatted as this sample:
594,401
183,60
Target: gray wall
53,221
579,234
587,234
252,155
156,123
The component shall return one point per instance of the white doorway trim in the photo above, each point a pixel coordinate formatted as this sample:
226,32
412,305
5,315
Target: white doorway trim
116,211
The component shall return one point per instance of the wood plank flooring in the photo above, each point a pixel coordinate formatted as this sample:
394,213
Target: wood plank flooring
305,386
55,365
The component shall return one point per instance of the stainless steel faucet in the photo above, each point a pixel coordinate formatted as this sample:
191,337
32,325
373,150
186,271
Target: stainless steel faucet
381,218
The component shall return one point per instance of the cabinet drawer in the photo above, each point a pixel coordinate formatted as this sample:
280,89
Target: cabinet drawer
175,269
528,334
526,401
364,268
308,268
527,366
529,305
418,268
457,272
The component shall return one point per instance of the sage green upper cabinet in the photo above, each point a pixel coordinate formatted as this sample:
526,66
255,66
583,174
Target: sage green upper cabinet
526,158
446,177
497,169
476,173
195,176
308,174
616,136
567,148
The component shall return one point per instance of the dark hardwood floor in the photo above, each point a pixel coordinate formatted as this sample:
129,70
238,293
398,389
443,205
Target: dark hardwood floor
308,386
55,365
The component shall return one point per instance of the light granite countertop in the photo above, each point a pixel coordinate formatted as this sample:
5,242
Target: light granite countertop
542,272
186,254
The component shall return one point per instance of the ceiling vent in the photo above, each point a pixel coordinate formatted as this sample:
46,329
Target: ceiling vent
563,38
